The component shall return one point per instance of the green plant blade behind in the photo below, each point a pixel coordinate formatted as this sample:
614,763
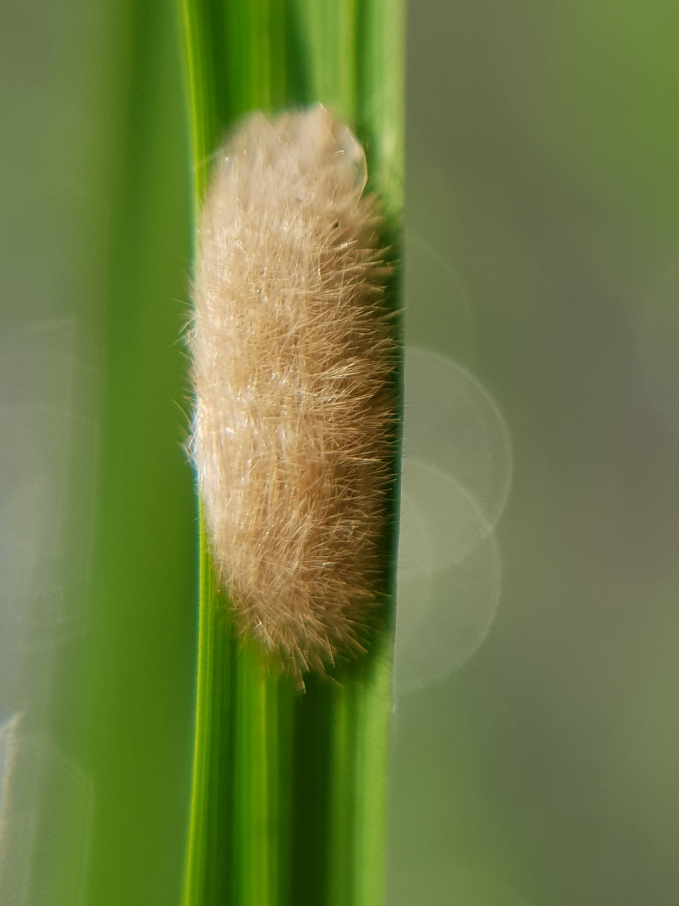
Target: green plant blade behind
289,788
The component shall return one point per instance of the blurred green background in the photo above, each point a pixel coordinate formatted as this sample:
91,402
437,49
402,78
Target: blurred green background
541,254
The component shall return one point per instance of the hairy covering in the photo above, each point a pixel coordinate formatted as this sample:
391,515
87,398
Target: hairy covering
293,356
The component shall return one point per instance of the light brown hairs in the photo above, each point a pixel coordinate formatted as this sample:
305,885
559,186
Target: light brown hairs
293,356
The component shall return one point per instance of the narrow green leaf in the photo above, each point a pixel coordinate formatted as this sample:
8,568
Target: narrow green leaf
289,788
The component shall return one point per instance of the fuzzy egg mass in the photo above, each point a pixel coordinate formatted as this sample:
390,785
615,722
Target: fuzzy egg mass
293,357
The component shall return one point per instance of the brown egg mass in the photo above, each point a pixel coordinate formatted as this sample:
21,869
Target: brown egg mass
293,360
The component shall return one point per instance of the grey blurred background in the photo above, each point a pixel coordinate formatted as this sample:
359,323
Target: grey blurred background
542,218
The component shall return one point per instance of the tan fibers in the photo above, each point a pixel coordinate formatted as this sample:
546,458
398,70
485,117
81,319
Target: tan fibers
293,358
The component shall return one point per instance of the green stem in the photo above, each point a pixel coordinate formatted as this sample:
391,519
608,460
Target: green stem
289,788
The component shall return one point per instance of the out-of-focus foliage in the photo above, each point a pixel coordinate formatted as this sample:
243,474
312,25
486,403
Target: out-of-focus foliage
98,530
